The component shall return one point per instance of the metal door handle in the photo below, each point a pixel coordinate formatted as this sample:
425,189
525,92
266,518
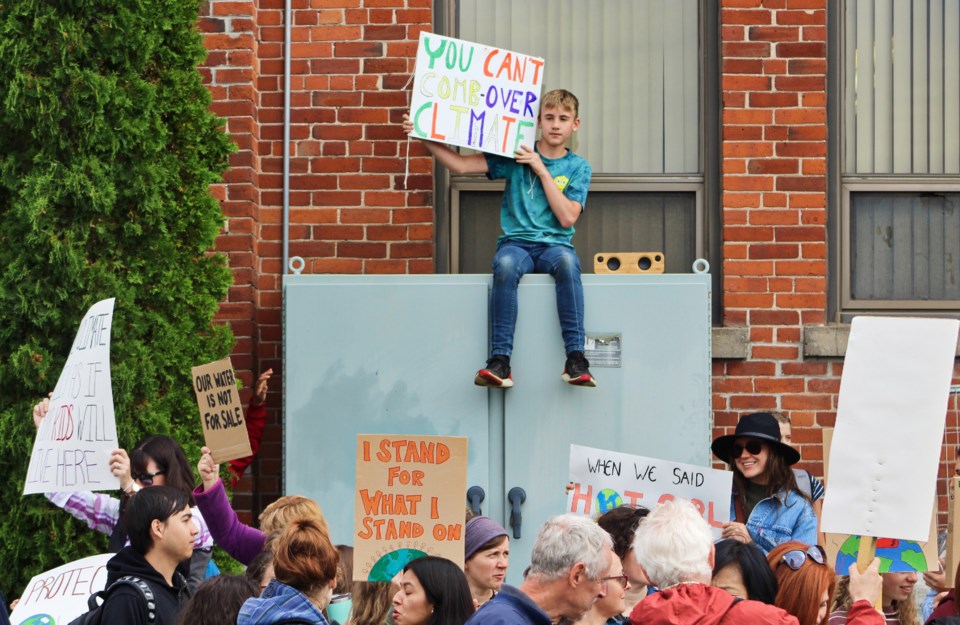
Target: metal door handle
475,496
516,496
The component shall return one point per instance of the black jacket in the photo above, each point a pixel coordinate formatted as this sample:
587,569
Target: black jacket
126,604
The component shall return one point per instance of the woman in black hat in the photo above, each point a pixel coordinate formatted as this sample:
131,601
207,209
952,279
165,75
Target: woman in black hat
766,503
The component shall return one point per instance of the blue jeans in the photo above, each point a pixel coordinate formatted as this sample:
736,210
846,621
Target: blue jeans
516,258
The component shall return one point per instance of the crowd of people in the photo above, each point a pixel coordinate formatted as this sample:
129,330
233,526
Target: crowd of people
628,565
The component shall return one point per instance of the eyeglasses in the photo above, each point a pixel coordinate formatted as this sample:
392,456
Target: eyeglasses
796,557
753,448
146,478
622,579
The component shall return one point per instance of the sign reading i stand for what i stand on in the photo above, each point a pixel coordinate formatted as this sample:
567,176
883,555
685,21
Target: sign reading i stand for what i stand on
475,96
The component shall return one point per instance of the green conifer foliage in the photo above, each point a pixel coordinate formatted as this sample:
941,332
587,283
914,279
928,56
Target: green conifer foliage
107,153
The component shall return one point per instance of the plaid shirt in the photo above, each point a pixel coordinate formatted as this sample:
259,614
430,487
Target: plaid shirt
100,512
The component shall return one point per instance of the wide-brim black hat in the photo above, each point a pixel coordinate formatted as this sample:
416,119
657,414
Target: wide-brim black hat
760,425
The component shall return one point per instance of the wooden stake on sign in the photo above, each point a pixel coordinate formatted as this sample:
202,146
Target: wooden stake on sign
868,551
953,536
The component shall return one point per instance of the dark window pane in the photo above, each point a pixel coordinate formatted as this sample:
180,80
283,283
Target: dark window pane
613,222
905,246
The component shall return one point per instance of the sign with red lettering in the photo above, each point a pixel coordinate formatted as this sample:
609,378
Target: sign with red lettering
60,595
603,480
221,414
475,96
409,502
74,440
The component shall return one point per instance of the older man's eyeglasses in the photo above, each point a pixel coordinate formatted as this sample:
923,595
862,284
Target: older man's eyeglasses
622,579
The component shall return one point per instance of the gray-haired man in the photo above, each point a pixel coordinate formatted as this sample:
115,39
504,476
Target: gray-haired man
569,558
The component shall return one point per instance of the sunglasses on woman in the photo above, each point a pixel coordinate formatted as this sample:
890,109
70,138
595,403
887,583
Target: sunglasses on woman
753,448
796,557
146,478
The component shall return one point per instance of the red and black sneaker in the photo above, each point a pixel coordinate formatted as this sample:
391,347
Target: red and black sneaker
496,373
576,370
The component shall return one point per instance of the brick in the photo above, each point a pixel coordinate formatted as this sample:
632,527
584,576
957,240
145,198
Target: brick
774,317
743,82
774,251
747,148
745,16
801,268
749,50
359,49
800,116
773,33
773,100
801,300
741,66
773,166
735,233
358,249
800,83
801,183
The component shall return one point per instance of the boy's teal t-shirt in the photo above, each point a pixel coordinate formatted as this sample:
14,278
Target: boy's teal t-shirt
525,214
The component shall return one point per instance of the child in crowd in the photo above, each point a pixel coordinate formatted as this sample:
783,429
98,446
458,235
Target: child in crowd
545,192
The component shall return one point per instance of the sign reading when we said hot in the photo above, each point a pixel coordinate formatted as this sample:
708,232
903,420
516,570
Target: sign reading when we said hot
475,96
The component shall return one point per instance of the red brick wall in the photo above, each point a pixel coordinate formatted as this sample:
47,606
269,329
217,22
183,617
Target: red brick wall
774,217
350,213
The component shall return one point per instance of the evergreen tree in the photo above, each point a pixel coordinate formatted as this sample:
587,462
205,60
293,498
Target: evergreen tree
107,153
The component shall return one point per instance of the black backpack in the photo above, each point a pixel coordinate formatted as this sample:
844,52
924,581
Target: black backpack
94,615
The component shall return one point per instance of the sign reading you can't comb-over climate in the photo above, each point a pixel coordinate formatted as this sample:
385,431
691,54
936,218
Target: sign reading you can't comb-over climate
475,96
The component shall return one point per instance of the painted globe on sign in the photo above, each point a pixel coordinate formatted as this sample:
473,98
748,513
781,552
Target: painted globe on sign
896,556
392,563
39,619
607,500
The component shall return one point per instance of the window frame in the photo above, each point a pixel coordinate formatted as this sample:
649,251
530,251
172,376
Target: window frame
705,184
842,307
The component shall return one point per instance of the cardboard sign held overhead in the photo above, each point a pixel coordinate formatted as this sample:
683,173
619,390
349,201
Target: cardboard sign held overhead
74,441
893,397
410,501
60,595
221,413
603,480
475,96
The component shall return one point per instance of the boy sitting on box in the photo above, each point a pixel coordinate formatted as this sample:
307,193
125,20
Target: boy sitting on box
545,192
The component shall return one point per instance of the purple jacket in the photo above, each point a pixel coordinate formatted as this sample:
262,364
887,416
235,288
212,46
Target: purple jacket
240,541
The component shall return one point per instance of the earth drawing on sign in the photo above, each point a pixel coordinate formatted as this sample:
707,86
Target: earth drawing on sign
896,556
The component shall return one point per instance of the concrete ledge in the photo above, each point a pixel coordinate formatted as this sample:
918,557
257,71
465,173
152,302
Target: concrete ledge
730,343
830,341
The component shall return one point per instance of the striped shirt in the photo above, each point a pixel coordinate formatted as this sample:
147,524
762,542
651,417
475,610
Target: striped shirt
101,512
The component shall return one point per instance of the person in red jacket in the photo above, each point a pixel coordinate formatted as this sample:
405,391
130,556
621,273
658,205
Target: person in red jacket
256,421
674,547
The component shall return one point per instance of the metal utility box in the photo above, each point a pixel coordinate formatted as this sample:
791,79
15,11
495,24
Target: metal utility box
397,355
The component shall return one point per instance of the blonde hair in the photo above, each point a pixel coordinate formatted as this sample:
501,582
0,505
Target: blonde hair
281,512
562,99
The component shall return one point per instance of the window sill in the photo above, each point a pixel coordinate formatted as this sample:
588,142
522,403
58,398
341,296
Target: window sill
830,341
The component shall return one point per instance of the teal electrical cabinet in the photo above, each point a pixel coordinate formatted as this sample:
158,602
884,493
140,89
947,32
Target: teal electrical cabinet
397,355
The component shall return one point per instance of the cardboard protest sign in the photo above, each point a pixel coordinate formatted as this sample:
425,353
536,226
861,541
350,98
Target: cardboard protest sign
74,440
893,397
475,96
224,430
953,531
60,595
409,502
603,480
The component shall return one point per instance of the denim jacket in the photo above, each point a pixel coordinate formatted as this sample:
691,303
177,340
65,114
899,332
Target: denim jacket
781,518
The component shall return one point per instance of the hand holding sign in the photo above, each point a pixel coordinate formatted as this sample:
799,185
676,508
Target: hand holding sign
208,469
73,444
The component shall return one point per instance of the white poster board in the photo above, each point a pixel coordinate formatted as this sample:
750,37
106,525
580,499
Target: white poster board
475,96
74,441
890,419
603,480
60,595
